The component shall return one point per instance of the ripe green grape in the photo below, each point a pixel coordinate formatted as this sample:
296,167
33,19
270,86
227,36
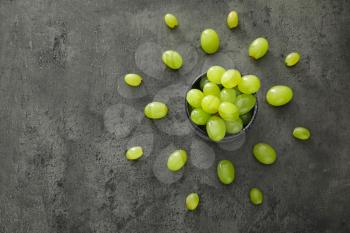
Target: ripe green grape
249,84
177,160
256,196
228,111
171,20
292,59
228,95
134,153
233,127
211,89
203,81
226,172
245,103
215,73
192,201
246,117
301,133
279,95
172,59
194,97
156,110
232,19
210,41
231,78
210,104
264,153
258,48
199,117
216,128
133,80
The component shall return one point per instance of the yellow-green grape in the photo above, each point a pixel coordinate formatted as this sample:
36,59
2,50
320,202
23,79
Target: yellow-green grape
233,127
216,128
249,84
194,97
133,80
301,133
156,110
264,153
171,20
215,73
134,153
246,117
211,89
203,81
199,117
232,19
258,48
231,78
172,59
228,111
210,41
292,59
210,104
177,160
245,103
279,95
226,172
192,201
228,95
256,196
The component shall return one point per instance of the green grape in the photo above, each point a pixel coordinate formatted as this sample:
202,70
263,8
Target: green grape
210,41
215,73
258,48
292,59
199,117
134,153
133,80
249,84
177,160
264,153
256,196
211,89
203,81
228,95
279,95
228,111
172,59
226,172
156,110
192,201
231,78
210,104
301,133
232,20
233,127
171,20
194,97
246,117
245,103
216,128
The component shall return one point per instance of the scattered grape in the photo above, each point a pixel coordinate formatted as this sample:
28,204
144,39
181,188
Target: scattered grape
301,133
171,21
210,41
177,160
192,201
232,19
172,59
292,59
264,153
258,48
256,196
226,172
134,153
133,80
279,95
156,110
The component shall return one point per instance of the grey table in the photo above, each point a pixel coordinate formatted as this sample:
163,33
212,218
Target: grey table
67,118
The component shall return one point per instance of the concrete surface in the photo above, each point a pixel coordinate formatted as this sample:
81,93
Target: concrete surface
67,118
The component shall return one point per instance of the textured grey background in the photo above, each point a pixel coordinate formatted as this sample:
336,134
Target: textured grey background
66,118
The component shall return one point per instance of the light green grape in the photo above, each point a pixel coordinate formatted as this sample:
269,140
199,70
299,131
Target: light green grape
211,89
192,201
156,110
264,153
134,153
210,41
258,48
256,196
279,95
301,133
177,160
215,73
216,128
246,117
245,103
249,84
231,78
226,172
210,104
171,20
194,97
228,111
233,127
172,59
133,80
199,117
232,19
203,81
228,95
292,59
